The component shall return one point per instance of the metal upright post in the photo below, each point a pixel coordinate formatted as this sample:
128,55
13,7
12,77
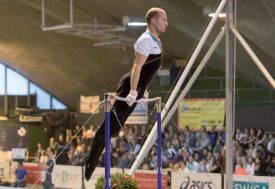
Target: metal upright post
158,105
6,98
71,13
43,13
107,142
229,93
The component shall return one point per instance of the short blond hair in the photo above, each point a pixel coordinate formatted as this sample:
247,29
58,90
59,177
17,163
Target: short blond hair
152,13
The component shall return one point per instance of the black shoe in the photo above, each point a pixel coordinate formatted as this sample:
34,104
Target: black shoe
89,169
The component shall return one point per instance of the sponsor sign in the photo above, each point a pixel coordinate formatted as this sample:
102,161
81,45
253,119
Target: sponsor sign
5,156
149,179
252,182
198,112
18,153
89,104
195,181
250,185
67,176
33,172
5,171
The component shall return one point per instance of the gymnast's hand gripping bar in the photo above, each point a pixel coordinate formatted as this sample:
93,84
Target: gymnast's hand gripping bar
137,101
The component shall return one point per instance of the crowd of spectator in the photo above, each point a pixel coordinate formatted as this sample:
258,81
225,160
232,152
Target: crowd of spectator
200,151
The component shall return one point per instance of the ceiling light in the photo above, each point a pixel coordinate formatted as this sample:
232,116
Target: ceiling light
221,15
136,24
2,118
133,21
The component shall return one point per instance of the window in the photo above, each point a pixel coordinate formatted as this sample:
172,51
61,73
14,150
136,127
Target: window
19,85
2,79
43,98
57,105
16,84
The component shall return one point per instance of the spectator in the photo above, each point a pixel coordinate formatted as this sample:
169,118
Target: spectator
62,157
175,141
271,168
183,167
251,151
223,160
271,144
181,139
172,152
258,168
239,156
145,166
213,136
193,165
79,153
250,168
203,142
218,146
47,169
131,134
90,134
202,166
177,148
244,137
43,157
84,135
262,152
38,152
199,135
136,146
251,138
239,168
21,174
214,165
238,135
190,137
124,161
221,135
237,147
53,144
77,132
176,167
261,138
186,153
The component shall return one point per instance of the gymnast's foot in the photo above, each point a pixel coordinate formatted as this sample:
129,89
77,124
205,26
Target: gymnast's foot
89,169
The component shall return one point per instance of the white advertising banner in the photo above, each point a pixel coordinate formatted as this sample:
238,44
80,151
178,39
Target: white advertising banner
252,182
196,180
140,113
5,171
89,104
5,156
18,153
67,176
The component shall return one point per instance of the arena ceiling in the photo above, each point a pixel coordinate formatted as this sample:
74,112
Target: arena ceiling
90,60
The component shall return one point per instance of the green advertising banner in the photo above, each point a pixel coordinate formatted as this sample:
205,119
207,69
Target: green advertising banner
198,112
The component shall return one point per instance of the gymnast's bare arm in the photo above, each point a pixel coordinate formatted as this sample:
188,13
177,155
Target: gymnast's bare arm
135,74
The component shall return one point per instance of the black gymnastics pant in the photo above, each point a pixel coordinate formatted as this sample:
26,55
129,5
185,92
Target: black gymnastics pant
118,116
